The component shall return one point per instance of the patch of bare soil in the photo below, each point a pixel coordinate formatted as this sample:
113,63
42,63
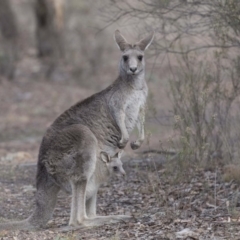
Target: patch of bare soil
200,206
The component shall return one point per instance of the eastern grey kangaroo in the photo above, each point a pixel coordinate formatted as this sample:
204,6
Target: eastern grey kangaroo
71,147
105,167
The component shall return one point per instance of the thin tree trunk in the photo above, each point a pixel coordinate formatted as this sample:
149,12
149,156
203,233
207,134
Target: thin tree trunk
48,34
8,38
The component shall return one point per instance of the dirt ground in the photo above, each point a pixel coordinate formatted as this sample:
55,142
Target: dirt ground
165,204
198,208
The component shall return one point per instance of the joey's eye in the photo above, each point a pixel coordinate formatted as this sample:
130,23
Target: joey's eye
140,57
125,58
115,169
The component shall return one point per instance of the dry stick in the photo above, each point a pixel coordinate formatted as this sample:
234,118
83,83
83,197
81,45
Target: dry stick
215,189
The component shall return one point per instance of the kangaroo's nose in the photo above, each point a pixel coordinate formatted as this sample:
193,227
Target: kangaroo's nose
123,172
133,69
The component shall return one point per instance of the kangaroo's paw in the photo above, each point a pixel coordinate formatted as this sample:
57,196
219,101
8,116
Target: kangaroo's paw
122,143
136,144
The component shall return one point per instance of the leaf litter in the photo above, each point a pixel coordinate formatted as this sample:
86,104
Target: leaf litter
200,206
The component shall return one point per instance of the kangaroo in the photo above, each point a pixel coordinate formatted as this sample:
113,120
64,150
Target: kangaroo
105,168
69,151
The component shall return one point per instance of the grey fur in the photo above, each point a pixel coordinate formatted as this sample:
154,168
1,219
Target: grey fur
70,152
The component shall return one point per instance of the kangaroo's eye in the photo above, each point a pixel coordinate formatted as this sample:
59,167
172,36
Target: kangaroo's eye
125,58
140,57
115,169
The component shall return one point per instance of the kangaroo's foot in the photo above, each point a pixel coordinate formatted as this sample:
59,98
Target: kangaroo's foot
95,222
101,220
69,228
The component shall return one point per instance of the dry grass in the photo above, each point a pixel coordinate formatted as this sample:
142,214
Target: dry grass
232,173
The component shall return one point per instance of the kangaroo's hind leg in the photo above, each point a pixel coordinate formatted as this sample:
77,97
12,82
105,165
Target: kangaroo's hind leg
84,166
78,207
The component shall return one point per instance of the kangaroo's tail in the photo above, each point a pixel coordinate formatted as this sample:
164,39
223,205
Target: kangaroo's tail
46,197
45,200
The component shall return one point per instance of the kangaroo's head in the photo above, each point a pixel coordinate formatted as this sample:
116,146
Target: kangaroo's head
132,60
114,164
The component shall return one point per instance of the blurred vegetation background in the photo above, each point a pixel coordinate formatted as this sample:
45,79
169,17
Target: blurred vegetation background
56,52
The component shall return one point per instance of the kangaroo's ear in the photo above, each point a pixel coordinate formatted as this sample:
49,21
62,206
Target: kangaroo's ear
105,157
145,42
120,40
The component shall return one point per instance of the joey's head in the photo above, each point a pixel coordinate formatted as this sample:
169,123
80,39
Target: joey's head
132,60
114,164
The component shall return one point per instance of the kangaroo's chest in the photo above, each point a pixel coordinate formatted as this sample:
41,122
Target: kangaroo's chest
133,104
92,188
95,182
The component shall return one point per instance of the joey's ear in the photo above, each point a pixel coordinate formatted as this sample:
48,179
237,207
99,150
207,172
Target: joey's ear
120,40
145,42
118,154
105,157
